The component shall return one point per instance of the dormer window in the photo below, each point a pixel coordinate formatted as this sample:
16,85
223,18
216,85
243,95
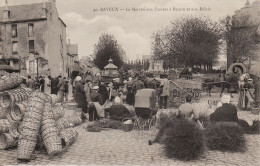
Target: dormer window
7,14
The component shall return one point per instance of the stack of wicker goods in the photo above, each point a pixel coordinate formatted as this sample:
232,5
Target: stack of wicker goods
36,122
12,107
10,82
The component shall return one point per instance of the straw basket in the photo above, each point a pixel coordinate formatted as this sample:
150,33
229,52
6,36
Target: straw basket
4,126
75,120
63,123
52,144
49,130
68,136
14,115
5,100
58,112
7,141
2,113
15,129
2,85
20,107
25,149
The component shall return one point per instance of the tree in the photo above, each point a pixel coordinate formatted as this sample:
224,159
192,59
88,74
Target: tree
189,41
106,48
241,38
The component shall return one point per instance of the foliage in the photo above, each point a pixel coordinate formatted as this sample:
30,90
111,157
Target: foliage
192,41
241,38
106,48
225,136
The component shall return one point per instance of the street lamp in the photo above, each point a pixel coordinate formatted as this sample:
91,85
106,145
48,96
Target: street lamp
36,56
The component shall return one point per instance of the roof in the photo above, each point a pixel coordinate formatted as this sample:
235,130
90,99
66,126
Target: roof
33,11
72,49
110,66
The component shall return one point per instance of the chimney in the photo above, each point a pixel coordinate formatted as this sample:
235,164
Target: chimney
44,10
68,41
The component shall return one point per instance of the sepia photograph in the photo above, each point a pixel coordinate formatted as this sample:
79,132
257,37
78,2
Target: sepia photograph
130,82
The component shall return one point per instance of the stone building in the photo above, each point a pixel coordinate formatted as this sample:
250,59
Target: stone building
72,58
30,28
248,18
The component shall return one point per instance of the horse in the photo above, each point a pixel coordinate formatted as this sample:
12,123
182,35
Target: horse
229,82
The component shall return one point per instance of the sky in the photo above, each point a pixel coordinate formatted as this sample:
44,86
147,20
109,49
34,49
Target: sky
133,29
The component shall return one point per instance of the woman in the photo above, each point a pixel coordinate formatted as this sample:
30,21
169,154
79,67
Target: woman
245,97
79,94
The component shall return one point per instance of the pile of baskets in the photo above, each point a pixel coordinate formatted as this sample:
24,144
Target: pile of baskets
32,122
10,82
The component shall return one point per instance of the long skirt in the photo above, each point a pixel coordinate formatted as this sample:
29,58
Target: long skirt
245,99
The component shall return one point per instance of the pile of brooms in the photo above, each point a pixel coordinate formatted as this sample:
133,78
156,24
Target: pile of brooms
28,119
184,139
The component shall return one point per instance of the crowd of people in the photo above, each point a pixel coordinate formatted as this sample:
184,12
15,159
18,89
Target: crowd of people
58,86
86,91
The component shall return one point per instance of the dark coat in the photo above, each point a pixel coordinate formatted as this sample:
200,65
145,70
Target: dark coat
80,97
103,93
225,113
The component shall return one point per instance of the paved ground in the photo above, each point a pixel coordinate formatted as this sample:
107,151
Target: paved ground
115,147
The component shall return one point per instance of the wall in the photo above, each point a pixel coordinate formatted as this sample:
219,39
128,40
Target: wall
57,49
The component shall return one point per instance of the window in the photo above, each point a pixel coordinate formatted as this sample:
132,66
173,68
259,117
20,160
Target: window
15,48
31,46
31,66
14,30
30,30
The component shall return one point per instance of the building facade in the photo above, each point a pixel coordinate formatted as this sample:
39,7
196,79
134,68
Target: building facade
72,59
249,17
27,29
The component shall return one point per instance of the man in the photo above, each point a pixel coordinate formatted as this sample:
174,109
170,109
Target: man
31,83
186,109
152,84
226,113
88,90
66,89
138,85
60,88
130,97
165,85
42,83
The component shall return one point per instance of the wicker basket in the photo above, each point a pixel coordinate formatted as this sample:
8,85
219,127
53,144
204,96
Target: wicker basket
5,100
21,107
68,136
49,131
4,126
52,144
15,129
63,123
2,113
58,112
25,149
14,115
7,141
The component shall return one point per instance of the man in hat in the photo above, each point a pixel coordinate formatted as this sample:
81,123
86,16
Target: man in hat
66,89
138,85
130,97
31,83
226,113
88,90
